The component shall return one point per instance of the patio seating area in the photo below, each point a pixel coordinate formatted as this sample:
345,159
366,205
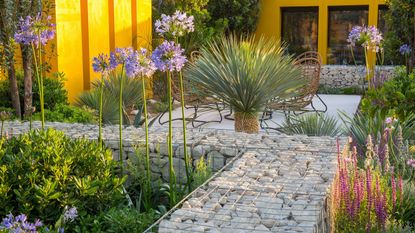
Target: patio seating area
335,104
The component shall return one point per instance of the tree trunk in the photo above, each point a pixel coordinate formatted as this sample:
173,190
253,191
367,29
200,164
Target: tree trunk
27,70
14,91
246,122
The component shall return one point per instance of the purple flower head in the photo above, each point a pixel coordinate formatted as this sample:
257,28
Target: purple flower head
368,37
411,163
100,64
389,120
70,214
405,49
138,63
119,57
35,30
19,224
173,26
169,57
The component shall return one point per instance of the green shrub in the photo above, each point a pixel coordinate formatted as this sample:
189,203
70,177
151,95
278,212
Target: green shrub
396,96
239,16
132,97
55,92
115,220
312,125
354,90
362,125
68,113
41,172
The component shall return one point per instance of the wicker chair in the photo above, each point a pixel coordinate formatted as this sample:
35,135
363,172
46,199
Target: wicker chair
195,99
310,66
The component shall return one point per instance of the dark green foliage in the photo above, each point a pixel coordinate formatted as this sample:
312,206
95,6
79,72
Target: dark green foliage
55,92
239,16
68,113
116,220
41,172
363,125
205,28
396,96
400,22
354,90
132,98
312,125
405,213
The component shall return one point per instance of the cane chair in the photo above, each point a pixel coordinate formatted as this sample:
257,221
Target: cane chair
309,64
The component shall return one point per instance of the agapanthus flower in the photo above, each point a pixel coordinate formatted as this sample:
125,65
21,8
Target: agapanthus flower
70,214
100,64
19,224
175,25
34,30
389,120
138,63
119,57
368,37
411,163
169,57
405,49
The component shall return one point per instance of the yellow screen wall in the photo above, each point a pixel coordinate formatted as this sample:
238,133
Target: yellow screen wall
269,23
85,28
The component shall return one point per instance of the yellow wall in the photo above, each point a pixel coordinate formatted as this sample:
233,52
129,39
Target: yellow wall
86,28
269,23
69,44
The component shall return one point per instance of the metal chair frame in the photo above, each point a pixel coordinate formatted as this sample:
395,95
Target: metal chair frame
194,99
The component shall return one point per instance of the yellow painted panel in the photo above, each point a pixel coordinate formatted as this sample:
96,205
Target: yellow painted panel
144,24
69,44
122,23
98,31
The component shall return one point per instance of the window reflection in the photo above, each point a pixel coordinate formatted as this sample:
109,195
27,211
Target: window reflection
300,28
341,22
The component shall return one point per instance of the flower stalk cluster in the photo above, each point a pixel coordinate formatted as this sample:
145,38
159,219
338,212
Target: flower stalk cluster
36,32
363,199
371,40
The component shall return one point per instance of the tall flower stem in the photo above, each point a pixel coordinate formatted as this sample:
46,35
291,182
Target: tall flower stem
186,157
120,109
368,71
39,80
148,191
170,145
101,94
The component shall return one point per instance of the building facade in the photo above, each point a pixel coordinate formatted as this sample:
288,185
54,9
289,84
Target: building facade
320,25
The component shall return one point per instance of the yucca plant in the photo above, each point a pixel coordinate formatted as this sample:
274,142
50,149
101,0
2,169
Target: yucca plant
245,72
312,125
131,96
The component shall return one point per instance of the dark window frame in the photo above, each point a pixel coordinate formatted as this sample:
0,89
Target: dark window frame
331,9
299,9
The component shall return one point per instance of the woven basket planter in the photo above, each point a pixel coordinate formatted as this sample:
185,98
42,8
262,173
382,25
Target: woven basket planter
246,122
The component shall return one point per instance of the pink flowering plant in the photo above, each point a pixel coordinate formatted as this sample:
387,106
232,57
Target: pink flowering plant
371,40
364,199
36,32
